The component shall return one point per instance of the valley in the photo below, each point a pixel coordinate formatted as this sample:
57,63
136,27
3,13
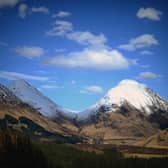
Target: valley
83,84
107,125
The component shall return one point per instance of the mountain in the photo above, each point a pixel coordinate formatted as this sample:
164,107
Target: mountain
22,117
130,109
127,113
37,100
130,92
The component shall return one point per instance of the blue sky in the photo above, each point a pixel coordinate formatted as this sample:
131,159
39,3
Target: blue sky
75,51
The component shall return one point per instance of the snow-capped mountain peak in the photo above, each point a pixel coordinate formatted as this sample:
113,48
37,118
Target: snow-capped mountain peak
136,94
131,91
128,91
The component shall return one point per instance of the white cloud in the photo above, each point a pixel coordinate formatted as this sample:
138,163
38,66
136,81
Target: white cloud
61,14
96,55
29,52
146,52
92,59
23,10
61,28
15,75
94,89
41,9
148,75
8,3
51,87
65,29
87,38
149,13
143,41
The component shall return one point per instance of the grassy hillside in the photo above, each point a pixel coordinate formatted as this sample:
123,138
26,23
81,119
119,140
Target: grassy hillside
23,118
158,140
32,129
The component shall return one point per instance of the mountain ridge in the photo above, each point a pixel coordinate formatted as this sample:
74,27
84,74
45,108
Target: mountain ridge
20,116
36,99
115,116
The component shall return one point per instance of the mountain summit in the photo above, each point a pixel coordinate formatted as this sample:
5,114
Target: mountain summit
128,111
137,95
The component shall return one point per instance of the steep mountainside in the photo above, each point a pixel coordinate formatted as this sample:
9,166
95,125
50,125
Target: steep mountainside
130,92
22,117
130,110
37,100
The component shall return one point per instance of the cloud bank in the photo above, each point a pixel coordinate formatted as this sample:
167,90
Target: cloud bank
95,55
91,59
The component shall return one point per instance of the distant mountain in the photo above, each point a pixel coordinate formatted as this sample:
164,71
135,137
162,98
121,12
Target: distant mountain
130,109
37,100
22,117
